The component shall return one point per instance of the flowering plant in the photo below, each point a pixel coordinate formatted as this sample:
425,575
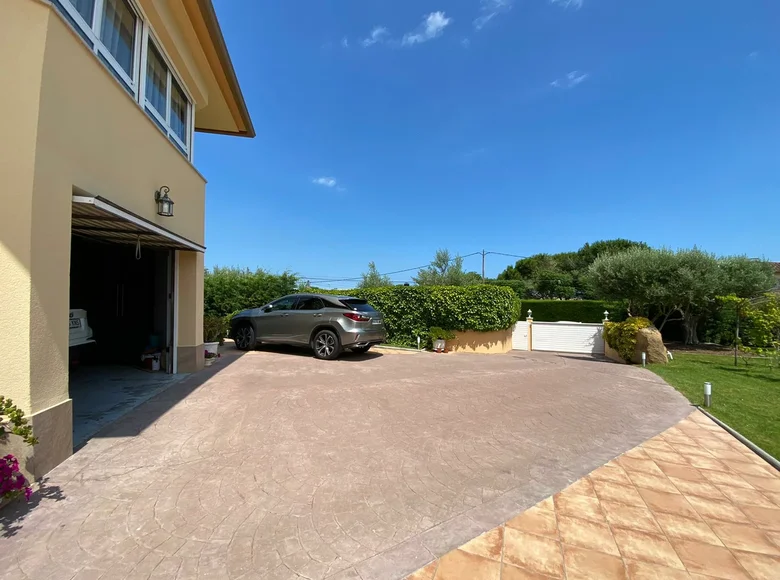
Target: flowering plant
12,482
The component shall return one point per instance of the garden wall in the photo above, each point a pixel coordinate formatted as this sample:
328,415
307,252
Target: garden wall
495,342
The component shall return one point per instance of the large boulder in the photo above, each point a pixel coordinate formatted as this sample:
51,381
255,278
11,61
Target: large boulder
649,340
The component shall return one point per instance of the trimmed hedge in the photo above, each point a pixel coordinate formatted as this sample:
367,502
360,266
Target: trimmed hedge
573,310
228,290
410,311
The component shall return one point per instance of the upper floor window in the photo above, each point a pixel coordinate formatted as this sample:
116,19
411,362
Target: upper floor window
114,30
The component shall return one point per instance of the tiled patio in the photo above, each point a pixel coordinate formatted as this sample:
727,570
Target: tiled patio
692,502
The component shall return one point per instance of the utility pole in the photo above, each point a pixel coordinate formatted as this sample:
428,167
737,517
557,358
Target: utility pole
483,265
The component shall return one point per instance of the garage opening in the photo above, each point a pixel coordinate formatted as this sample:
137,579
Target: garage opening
122,336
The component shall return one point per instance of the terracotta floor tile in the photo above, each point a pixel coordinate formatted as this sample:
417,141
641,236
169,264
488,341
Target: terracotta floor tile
722,478
710,560
681,528
641,465
774,496
692,450
669,503
514,573
546,504
760,566
668,456
745,538
630,517
535,521
763,483
581,487
765,518
681,471
722,511
587,534
579,506
656,443
459,565
755,469
742,496
607,490
707,463
636,453
612,473
488,545
646,571
534,553
730,455
584,564
654,482
774,537
646,548
714,443
426,573
698,488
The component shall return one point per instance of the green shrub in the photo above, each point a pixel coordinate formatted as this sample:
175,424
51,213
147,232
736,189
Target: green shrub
573,310
437,333
411,311
228,290
214,328
621,336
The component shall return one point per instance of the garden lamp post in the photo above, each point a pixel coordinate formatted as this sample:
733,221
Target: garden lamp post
707,394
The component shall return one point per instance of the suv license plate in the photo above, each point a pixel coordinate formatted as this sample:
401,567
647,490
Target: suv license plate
76,323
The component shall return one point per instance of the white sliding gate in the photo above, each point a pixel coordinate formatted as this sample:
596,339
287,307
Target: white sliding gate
573,337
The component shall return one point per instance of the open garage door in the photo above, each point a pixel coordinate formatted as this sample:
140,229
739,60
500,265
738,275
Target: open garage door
123,311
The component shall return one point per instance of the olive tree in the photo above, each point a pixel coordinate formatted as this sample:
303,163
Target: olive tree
664,283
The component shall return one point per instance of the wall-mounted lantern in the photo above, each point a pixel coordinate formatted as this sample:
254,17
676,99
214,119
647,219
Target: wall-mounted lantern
164,203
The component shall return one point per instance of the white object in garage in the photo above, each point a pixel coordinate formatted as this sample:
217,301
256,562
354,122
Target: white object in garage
79,331
574,337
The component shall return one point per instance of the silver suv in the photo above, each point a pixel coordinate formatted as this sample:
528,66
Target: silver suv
328,324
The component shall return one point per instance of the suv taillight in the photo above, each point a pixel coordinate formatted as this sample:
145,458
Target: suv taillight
357,317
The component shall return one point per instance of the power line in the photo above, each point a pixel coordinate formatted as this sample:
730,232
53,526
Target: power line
323,279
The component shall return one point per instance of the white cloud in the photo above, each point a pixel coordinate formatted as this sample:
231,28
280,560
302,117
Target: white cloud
465,42
377,35
345,42
325,181
754,55
432,27
571,80
576,4
490,9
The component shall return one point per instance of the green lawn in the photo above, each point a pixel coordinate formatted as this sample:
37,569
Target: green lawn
746,398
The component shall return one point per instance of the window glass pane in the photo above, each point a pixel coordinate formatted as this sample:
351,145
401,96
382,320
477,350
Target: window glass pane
118,32
284,303
178,112
156,80
85,8
309,304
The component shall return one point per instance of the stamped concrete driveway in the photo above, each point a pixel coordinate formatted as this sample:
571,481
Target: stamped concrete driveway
282,466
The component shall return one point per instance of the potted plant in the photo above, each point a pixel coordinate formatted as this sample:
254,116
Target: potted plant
439,337
213,337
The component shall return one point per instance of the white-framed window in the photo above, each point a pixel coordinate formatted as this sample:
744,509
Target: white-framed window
120,37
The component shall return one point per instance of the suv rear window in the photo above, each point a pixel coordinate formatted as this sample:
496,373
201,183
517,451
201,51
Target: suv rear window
357,304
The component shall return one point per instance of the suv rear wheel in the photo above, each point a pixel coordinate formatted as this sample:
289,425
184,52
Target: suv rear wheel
326,345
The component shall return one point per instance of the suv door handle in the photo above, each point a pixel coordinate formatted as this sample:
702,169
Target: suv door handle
317,315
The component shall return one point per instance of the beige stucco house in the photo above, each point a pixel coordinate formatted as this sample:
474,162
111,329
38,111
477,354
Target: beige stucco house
100,100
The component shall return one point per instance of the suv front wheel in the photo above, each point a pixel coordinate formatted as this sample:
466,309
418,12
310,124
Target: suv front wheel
326,345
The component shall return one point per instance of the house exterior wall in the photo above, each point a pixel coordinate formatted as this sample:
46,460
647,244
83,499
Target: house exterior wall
69,126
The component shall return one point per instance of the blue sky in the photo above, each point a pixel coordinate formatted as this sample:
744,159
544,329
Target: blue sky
388,129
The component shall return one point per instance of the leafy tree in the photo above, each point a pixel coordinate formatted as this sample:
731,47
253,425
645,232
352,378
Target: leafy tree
446,271
563,275
663,283
373,279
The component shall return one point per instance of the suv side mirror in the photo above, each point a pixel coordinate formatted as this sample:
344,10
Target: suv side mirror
268,309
